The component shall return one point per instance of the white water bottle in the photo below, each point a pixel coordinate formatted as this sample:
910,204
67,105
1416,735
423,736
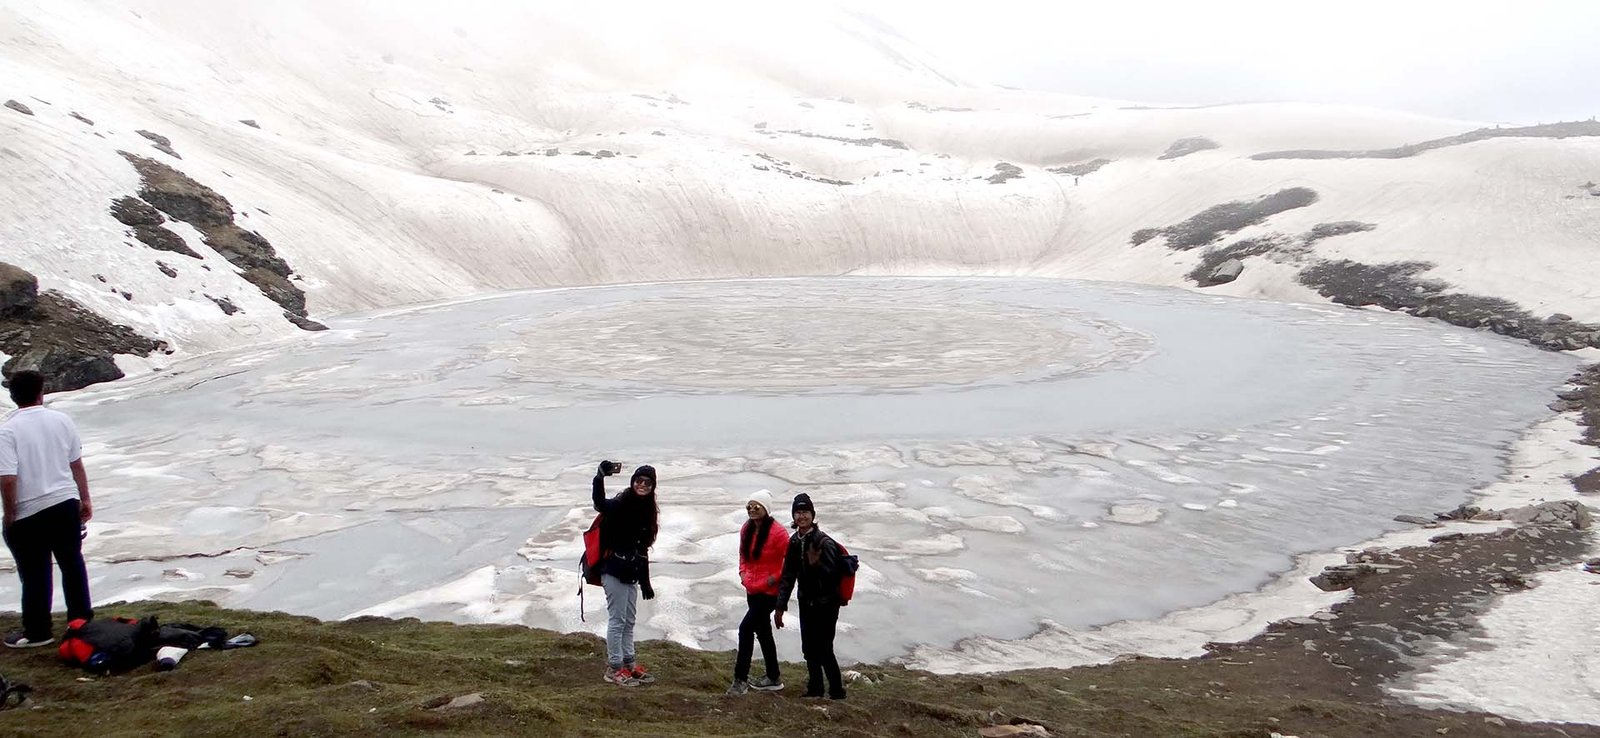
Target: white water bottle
167,657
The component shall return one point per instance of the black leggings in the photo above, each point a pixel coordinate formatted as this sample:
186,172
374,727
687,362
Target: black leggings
817,625
757,624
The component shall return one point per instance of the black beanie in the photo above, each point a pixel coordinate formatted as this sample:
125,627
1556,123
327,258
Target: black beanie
802,501
647,471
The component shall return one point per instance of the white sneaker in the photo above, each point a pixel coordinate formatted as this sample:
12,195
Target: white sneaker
18,640
764,684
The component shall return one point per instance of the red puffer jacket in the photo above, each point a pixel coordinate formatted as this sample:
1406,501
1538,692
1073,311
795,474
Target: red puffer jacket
761,575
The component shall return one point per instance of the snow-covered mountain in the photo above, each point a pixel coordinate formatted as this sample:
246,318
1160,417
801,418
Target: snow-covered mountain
391,153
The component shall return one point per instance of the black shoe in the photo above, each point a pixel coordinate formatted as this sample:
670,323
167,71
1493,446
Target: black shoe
766,684
20,640
836,694
812,695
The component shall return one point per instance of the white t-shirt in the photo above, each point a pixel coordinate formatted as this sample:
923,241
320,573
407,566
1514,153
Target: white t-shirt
37,444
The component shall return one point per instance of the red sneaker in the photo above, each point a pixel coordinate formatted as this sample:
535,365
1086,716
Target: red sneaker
621,677
639,674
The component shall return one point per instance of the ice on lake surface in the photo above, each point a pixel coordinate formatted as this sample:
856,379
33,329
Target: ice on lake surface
1001,453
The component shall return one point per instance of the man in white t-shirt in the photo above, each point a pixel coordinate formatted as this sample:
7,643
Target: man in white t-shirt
46,496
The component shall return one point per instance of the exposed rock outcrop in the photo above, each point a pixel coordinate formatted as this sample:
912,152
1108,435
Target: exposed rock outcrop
1585,399
224,304
1559,513
1186,146
873,141
182,198
303,322
1399,286
1588,483
131,211
162,143
161,239
1546,130
50,332
147,224
1342,576
1005,172
18,289
1081,168
1338,228
1212,223
1226,272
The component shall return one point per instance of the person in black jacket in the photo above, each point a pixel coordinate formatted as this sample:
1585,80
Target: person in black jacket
627,532
814,561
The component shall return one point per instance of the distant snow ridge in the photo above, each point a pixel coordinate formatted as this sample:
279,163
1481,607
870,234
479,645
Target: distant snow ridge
731,140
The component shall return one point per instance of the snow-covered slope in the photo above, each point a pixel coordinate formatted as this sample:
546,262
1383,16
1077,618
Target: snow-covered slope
403,152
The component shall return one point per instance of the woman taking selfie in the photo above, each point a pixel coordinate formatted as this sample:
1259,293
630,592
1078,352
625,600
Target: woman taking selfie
627,532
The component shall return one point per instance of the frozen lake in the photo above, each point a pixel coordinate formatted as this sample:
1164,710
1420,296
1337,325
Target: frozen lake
1000,453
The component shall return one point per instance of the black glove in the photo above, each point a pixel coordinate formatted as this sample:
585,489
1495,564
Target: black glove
607,468
649,592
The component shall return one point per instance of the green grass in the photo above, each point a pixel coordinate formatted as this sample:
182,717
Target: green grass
382,677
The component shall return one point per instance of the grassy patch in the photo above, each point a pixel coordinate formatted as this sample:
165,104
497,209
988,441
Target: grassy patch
373,676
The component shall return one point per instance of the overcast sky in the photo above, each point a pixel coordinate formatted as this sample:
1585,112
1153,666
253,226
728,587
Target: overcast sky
1522,61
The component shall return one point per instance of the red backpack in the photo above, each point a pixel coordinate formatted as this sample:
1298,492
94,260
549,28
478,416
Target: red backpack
589,563
847,580
592,553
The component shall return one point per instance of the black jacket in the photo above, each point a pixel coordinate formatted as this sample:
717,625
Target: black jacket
814,561
625,533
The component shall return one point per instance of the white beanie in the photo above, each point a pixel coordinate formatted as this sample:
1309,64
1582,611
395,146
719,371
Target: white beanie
763,498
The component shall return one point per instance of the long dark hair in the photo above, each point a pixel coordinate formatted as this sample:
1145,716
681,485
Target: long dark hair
751,535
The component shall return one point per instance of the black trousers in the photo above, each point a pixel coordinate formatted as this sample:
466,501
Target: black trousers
757,624
818,622
33,540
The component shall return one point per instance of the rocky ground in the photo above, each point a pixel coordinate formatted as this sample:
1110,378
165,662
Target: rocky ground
50,332
175,194
75,346
1398,286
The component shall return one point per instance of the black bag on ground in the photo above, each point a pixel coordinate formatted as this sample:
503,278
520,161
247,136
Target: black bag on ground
113,644
190,636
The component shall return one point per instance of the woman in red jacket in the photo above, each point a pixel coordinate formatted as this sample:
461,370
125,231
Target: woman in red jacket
763,541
